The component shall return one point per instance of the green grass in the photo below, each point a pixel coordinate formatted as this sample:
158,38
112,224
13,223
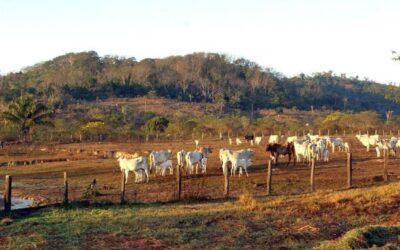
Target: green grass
366,237
296,222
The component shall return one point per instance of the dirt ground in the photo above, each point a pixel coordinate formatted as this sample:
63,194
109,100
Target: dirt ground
41,178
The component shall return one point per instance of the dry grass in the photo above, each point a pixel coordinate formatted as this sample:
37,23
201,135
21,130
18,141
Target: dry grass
292,217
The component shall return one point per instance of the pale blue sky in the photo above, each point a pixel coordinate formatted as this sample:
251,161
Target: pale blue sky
292,36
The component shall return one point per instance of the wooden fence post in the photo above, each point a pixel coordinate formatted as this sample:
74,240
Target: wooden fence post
349,170
376,131
226,186
385,160
65,189
269,175
312,179
123,178
344,132
7,193
328,132
178,181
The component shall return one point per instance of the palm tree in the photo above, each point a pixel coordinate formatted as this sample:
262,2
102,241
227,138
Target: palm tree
26,113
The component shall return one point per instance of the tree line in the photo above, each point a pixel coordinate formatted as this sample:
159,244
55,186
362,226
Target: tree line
199,77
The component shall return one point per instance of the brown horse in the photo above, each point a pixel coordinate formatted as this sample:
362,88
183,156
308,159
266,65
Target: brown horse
278,149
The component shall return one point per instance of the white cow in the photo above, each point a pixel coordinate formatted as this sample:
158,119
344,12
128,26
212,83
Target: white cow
390,146
301,149
325,155
162,167
137,165
273,139
180,158
337,142
368,140
241,159
197,158
157,157
312,151
257,140
224,158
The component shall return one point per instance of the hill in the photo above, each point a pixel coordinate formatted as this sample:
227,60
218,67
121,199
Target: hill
199,77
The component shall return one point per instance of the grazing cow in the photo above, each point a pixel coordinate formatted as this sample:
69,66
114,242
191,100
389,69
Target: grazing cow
257,140
238,141
273,139
277,149
249,138
137,165
162,167
197,158
157,157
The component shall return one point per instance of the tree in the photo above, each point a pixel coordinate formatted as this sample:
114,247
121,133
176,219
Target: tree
26,114
157,124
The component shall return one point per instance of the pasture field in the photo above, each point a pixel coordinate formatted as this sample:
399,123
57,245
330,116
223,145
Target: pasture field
292,217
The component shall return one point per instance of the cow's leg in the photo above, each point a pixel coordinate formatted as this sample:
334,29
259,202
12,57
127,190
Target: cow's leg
163,171
126,176
294,160
146,172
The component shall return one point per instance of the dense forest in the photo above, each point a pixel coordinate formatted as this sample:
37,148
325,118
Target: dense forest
199,77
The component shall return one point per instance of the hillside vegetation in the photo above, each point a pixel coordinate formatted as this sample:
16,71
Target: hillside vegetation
199,77
293,222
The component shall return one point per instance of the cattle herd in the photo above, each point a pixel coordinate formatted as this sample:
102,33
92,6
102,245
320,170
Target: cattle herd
300,149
